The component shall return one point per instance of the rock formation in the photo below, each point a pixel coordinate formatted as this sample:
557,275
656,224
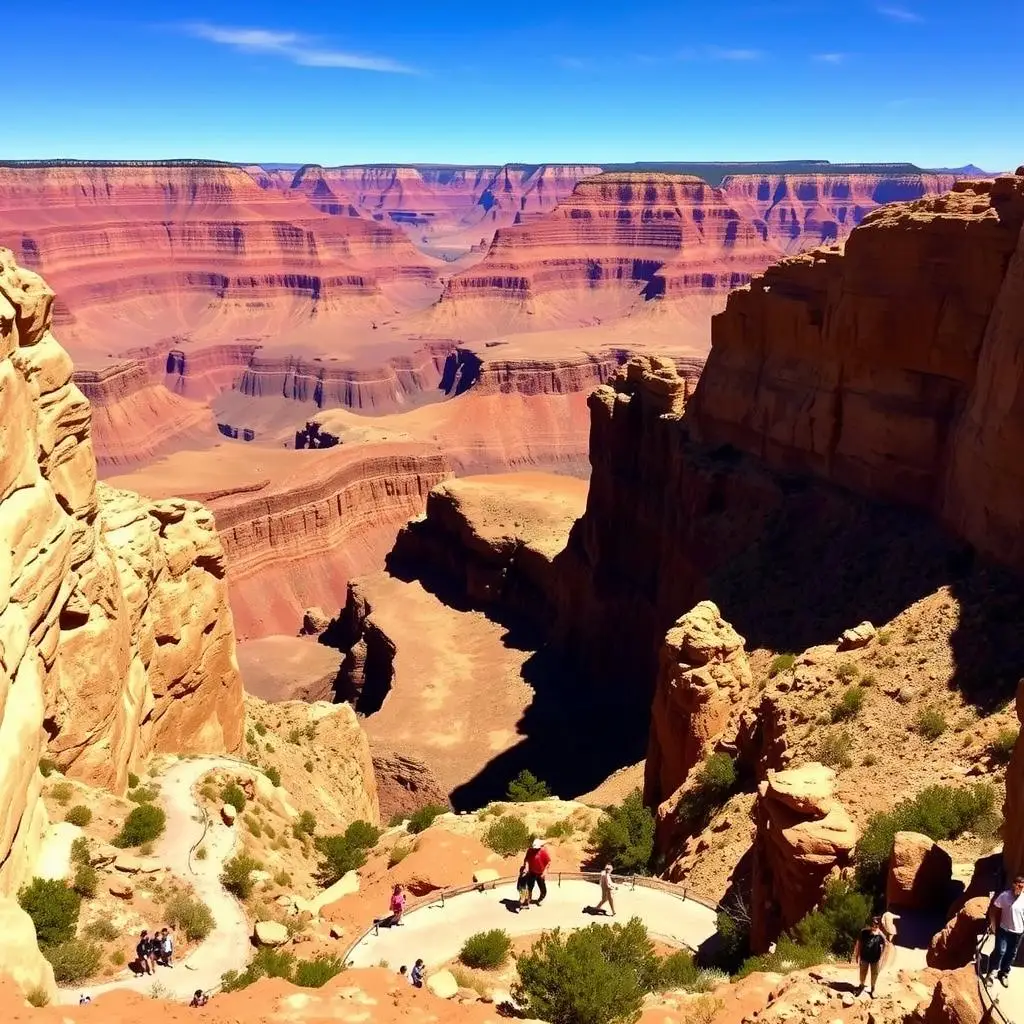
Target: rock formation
703,672
404,784
115,632
804,837
920,873
955,945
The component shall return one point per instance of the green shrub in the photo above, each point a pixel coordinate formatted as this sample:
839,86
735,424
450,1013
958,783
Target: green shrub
931,723
847,671
559,829
940,812
733,928
190,915
237,875
318,971
834,749
343,853
677,970
261,729
273,774
102,929
250,737
309,766
143,824
849,704
133,780
424,817
295,735
283,879
885,637
624,836
38,997
835,925
117,958
201,853
143,794
46,766
253,825
87,881
304,825
781,663
596,975
1001,748
714,783
868,679
486,950
73,960
61,792
80,851
267,963
507,836
79,815
54,907
526,787
788,956
233,795
869,760
398,854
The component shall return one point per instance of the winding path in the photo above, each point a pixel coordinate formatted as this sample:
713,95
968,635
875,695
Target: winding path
436,930
227,947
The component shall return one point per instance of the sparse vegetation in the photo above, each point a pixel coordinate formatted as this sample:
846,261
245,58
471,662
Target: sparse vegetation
624,836
559,829
715,782
117,958
930,723
250,737
507,836
102,930
143,794
233,795
486,950
283,879
54,907
143,824
318,971
309,766
133,780
884,637
787,956
38,998
834,749
46,766
849,705
201,853
261,729
304,825
87,881
677,970
526,787
273,774
237,875
781,663
868,679
346,852
398,854
73,960
847,671
61,792
79,815
253,825
80,851
1001,748
189,914
869,760
276,963
424,817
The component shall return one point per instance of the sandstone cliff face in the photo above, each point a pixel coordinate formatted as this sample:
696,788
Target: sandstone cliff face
115,634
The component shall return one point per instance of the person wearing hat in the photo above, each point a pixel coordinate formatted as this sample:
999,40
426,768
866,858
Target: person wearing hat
536,864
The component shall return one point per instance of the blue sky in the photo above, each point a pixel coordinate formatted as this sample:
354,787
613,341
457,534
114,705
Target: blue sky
930,81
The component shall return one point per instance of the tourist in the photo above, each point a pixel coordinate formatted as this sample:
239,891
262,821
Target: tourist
1006,920
397,905
404,972
166,948
84,1000
607,885
199,999
417,974
536,863
889,920
142,953
523,885
156,949
868,954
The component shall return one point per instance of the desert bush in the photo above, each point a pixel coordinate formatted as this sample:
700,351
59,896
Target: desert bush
102,930
596,975
787,956
733,927
713,784
486,950
143,824
250,737
834,749
117,958
559,829
318,971
87,881
835,925
295,735
424,817
79,815
309,766
143,794
38,997
273,774
526,787
133,780
73,960
233,795
781,663
849,705
940,812
46,766
884,637
398,854
190,915
80,851
868,679
930,723
467,979
677,970
54,907
304,825
261,729
624,836
507,836
346,852
253,825
707,979
869,760
1001,748
202,853
267,963
61,792
847,671
237,875
283,879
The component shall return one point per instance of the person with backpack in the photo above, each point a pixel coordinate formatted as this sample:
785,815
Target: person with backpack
868,953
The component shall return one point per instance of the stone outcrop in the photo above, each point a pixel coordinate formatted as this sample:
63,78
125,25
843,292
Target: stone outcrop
920,873
115,632
20,955
703,672
804,837
954,946
404,784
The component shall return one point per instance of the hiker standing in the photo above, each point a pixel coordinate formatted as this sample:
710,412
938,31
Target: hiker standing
142,953
1006,920
166,948
868,953
397,905
607,885
536,863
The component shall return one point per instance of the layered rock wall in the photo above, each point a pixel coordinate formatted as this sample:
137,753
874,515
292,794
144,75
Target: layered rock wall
115,634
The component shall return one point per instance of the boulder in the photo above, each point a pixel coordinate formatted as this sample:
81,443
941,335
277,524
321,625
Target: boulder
345,886
228,814
314,620
270,933
103,854
920,872
858,636
484,875
122,890
336,931
443,984
954,946
19,953
955,999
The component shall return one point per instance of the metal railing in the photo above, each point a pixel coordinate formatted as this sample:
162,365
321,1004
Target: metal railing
991,1007
440,896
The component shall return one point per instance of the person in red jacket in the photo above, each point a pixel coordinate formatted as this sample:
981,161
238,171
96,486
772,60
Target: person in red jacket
536,865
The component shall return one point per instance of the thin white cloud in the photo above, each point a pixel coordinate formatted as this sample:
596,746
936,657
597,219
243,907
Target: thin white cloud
292,46
720,53
830,58
899,14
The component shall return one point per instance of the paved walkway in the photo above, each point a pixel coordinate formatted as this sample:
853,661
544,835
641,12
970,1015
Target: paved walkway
227,947
1008,1001
436,933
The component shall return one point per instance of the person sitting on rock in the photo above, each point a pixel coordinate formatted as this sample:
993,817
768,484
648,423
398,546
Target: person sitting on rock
142,952
397,906
416,977
199,999
607,885
868,953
